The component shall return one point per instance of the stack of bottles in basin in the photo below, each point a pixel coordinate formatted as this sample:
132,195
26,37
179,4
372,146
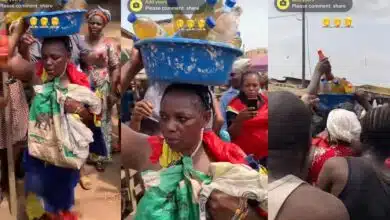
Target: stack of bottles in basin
215,21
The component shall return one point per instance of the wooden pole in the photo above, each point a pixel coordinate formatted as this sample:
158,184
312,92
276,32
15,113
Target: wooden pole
303,84
7,134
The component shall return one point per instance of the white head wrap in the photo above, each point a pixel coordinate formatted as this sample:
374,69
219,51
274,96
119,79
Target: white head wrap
343,125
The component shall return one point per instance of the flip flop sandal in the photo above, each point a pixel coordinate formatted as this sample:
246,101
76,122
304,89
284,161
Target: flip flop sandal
99,166
85,183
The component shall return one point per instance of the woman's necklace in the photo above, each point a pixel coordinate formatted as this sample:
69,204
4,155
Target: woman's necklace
197,148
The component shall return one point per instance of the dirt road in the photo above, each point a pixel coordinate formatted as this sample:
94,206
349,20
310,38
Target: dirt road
100,203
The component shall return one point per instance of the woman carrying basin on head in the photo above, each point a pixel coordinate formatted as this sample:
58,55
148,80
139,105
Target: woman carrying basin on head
54,185
185,111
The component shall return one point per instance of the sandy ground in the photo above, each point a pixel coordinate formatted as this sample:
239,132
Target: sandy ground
102,202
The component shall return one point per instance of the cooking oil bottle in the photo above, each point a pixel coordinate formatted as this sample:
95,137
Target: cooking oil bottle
145,27
169,28
219,34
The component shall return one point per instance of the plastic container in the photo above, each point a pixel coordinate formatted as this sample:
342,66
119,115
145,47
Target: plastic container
145,27
331,101
187,60
56,23
169,28
225,36
227,7
321,55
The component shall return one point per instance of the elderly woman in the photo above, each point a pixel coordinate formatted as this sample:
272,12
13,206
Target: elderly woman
101,76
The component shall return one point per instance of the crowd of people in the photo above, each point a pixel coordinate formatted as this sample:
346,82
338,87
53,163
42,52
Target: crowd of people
90,61
327,164
321,163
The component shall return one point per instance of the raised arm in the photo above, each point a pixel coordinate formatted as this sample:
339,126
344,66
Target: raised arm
322,67
219,119
17,66
130,69
135,150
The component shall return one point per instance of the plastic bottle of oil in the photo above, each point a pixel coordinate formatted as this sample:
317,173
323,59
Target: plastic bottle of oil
321,55
227,23
220,34
169,28
145,27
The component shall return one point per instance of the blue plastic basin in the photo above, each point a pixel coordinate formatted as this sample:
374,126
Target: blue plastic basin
56,23
184,60
331,101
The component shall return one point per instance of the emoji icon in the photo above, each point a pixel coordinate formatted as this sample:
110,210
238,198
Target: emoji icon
135,5
179,23
44,21
348,22
325,22
337,22
201,24
33,21
282,5
190,24
55,21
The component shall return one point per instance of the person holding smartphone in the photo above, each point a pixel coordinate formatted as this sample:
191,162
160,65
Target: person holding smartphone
247,118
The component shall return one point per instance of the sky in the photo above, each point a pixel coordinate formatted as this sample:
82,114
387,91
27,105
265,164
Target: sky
253,22
361,54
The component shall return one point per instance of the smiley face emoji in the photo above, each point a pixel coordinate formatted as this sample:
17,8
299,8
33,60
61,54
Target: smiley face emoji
179,24
44,21
348,22
55,21
201,24
190,24
325,22
337,22
33,21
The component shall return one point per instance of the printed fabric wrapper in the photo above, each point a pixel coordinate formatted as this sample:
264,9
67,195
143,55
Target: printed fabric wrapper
53,136
171,193
236,180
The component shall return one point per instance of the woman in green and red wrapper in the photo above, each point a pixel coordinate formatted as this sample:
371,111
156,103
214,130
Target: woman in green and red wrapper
247,118
185,112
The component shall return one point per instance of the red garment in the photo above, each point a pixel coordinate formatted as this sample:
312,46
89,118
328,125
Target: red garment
323,152
74,76
4,50
220,150
253,138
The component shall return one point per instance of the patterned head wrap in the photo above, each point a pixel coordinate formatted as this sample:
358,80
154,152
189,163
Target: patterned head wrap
103,13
